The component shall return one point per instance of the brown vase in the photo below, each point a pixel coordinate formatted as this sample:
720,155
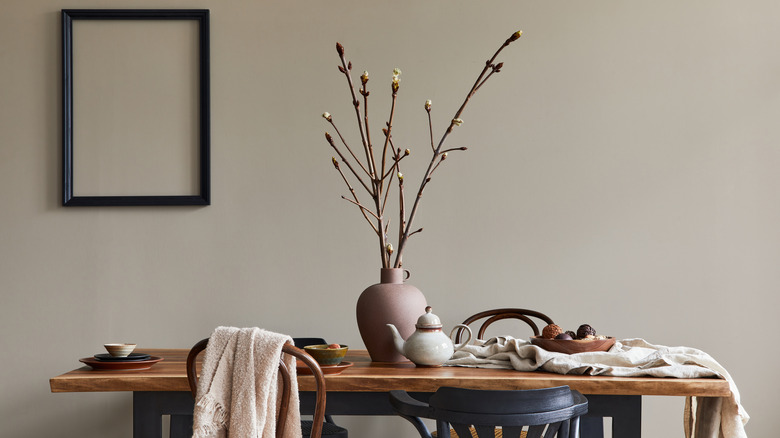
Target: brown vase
391,301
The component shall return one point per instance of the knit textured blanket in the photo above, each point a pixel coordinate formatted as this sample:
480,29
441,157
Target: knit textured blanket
704,417
239,389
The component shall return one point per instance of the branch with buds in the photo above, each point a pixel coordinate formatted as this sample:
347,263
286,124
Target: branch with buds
375,174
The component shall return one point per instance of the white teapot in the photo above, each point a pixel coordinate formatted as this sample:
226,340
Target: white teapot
428,346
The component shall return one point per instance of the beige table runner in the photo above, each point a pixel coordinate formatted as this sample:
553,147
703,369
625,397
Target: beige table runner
704,417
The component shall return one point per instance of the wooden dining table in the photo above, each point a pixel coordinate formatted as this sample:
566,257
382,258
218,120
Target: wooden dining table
362,388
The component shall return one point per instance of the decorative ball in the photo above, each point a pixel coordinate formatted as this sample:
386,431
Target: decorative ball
550,331
564,336
585,330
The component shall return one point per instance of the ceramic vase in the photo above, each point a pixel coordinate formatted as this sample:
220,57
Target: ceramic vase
391,301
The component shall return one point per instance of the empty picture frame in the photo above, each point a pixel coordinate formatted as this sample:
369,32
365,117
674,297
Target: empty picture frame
136,107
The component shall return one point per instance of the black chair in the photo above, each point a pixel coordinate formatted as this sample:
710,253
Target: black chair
506,313
532,413
316,428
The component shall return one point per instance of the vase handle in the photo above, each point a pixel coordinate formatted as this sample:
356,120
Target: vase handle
407,274
466,342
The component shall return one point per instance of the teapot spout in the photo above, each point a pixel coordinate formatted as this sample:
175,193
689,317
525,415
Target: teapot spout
398,341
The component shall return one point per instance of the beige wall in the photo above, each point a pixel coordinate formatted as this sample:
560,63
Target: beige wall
622,171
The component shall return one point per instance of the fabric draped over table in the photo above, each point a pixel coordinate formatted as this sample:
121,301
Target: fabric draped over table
239,390
705,417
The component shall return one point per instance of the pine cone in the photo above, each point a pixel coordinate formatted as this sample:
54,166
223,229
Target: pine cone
550,331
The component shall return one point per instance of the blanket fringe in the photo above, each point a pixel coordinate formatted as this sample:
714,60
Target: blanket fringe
211,409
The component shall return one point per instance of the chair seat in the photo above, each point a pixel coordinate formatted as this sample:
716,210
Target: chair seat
453,434
329,430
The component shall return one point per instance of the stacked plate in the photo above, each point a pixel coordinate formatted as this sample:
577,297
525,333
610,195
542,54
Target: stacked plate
131,356
134,361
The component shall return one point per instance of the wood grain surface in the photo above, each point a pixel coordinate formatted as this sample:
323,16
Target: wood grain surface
367,376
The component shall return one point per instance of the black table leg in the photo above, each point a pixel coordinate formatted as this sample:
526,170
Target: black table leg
150,406
181,426
591,427
625,410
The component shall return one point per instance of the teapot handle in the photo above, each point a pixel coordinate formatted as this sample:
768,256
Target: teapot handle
466,342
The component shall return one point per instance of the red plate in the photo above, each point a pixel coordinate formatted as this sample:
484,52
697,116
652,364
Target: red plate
326,369
130,365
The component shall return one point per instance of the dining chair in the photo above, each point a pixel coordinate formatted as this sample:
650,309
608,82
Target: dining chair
494,315
317,424
530,413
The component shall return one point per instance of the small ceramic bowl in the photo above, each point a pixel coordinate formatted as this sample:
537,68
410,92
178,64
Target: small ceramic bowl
119,350
326,356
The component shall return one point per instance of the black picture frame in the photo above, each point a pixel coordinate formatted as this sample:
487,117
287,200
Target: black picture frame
203,197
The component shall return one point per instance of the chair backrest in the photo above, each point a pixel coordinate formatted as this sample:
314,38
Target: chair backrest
548,412
302,342
319,408
506,313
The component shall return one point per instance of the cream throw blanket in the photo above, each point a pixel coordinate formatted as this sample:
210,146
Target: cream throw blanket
239,387
705,417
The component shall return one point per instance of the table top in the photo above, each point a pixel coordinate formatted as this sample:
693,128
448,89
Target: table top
367,376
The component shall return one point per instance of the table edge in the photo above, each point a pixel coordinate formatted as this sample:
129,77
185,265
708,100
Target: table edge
84,379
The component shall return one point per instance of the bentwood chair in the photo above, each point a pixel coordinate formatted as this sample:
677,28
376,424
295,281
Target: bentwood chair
532,413
494,315
319,410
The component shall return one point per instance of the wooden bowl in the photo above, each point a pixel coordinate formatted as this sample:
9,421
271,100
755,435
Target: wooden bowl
573,346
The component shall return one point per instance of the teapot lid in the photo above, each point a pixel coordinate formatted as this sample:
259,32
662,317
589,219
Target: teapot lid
428,320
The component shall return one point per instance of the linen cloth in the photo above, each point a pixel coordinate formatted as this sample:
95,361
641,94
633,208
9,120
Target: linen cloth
239,389
704,417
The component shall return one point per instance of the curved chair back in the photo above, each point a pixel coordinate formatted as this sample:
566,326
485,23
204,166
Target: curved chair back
302,342
547,412
319,409
494,315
